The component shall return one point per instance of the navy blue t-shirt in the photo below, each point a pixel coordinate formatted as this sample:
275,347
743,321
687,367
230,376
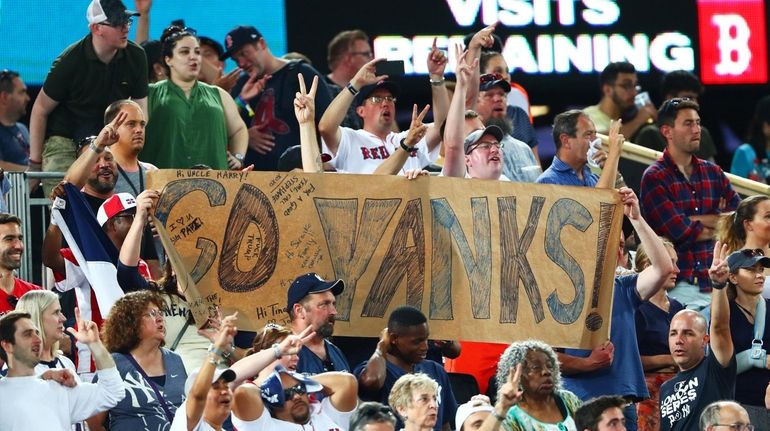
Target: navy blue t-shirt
309,363
14,144
652,325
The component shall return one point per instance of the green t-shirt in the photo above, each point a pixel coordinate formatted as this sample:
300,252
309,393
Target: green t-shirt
184,132
84,86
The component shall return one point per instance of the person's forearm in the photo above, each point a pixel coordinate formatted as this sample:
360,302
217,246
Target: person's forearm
394,163
51,255
342,387
454,155
311,155
238,143
102,358
573,364
657,362
251,365
37,124
441,102
332,118
372,378
652,278
132,244
142,28
609,172
77,174
708,220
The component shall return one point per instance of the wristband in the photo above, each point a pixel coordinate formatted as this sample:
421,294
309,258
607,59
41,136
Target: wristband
213,360
718,286
405,147
95,148
352,89
500,418
241,104
436,82
215,350
227,354
277,351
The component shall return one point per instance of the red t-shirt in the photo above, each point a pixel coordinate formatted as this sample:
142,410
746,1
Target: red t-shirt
20,287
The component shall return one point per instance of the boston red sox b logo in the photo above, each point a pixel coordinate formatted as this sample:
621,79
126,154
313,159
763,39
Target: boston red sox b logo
264,114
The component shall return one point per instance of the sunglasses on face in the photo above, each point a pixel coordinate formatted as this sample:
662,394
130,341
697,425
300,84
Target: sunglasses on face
126,24
298,389
752,252
490,77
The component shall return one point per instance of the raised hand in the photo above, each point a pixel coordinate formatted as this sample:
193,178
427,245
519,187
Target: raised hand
304,101
142,6
227,81
437,61
630,203
291,344
483,39
109,133
383,345
253,86
367,74
464,70
224,339
87,332
616,139
511,392
416,129
145,202
719,271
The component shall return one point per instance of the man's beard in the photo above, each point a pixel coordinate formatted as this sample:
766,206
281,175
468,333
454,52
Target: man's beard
8,262
326,330
102,187
504,123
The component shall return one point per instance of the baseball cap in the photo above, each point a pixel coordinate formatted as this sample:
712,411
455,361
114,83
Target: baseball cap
469,408
238,37
475,135
311,283
272,388
115,205
747,258
111,11
225,373
216,46
366,90
489,80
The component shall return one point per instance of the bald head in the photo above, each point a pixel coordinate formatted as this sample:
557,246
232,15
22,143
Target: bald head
687,339
723,412
692,317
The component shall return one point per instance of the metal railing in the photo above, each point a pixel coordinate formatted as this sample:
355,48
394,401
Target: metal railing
34,215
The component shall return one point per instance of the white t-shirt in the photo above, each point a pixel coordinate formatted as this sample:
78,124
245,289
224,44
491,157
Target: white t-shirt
361,152
180,421
323,417
30,403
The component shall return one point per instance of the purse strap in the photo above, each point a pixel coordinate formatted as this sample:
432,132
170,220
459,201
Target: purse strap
161,398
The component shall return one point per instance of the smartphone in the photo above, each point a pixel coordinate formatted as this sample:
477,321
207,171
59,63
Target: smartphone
390,68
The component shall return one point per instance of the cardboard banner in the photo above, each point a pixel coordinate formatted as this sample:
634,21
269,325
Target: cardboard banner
484,260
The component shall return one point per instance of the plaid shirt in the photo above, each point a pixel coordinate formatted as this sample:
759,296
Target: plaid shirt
668,199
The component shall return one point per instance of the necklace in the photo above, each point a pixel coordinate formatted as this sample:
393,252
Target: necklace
749,313
131,183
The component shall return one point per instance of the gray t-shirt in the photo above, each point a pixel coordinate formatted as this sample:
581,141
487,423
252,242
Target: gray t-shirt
140,409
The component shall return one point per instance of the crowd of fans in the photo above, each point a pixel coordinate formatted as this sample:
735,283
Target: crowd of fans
686,347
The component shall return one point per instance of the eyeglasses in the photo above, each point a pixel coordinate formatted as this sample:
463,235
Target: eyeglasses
628,86
737,426
128,216
379,99
298,389
367,54
486,146
153,314
126,24
752,252
12,301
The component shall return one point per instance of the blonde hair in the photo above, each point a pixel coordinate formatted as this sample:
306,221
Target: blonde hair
642,261
35,302
402,391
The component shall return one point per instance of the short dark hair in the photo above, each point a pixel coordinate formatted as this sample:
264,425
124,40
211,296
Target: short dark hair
6,218
405,316
341,43
8,329
589,414
670,108
371,413
6,80
677,81
112,111
486,56
610,73
566,123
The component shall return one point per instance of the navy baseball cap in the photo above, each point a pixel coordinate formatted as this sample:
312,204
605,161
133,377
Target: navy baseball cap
238,37
747,258
272,390
490,80
309,283
366,90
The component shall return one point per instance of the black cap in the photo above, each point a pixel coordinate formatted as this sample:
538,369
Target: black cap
746,258
216,46
238,37
366,90
309,283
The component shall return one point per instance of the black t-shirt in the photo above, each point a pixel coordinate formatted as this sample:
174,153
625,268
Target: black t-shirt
683,398
275,107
